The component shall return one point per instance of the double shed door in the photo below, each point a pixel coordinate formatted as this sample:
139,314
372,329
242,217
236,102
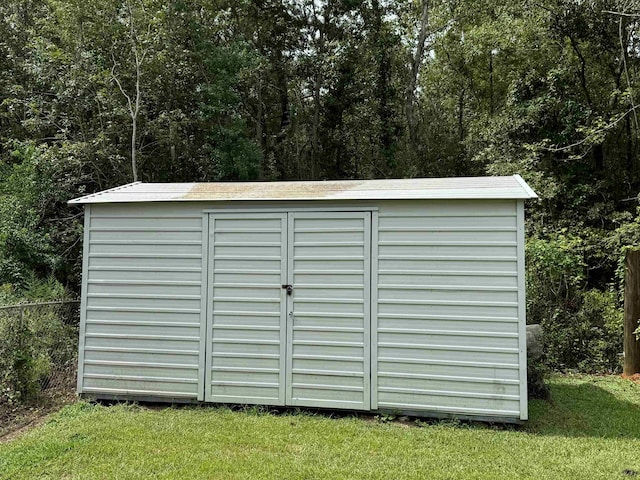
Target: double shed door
307,345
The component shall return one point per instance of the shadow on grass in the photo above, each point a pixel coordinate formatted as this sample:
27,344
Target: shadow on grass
584,410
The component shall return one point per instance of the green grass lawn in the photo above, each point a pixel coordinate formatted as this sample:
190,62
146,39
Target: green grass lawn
590,430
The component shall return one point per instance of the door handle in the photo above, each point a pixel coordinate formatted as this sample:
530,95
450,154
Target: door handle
288,288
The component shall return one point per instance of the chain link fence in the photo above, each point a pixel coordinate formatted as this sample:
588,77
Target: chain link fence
38,353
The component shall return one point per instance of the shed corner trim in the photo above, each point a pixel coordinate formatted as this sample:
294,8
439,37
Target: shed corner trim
525,186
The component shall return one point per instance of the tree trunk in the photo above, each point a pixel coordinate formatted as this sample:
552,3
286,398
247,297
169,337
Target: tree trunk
282,160
461,115
384,88
259,130
598,156
416,61
491,84
134,128
172,143
318,80
631,312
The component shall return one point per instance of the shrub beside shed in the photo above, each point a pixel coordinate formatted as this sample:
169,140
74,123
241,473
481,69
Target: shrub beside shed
402,295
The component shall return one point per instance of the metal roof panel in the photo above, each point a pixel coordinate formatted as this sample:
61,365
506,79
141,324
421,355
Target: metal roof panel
511,187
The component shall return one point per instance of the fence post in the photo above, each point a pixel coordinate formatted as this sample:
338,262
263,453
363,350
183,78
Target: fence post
631,312
21,330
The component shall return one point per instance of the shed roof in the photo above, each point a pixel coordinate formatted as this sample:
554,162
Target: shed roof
512,187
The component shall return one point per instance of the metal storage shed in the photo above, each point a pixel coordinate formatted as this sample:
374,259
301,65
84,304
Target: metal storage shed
401,295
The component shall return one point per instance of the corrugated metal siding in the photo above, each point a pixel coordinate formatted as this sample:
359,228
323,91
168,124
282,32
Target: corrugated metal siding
447,309
329,325
142,316
247,265
445,314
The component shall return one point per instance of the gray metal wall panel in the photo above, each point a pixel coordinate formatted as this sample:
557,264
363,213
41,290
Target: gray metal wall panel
447,312
142,302
247,267
329,325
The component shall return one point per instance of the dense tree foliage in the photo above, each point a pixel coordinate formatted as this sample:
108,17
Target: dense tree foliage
95,94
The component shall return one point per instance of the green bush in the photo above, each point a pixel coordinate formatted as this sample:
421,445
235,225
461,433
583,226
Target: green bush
39,233
37,343
18,377
33,290
537,386
555,275
582,327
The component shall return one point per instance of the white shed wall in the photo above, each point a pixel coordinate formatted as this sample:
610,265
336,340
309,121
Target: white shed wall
448,336
141,302
447,316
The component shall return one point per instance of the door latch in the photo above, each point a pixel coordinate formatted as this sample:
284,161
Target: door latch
288,288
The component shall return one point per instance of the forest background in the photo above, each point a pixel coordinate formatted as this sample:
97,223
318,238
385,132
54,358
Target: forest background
99,93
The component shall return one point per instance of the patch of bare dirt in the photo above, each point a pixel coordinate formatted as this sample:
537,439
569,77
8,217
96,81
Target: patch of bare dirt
15,421
634,378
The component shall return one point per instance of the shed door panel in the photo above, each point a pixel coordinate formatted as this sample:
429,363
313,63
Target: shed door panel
246,330
328,363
